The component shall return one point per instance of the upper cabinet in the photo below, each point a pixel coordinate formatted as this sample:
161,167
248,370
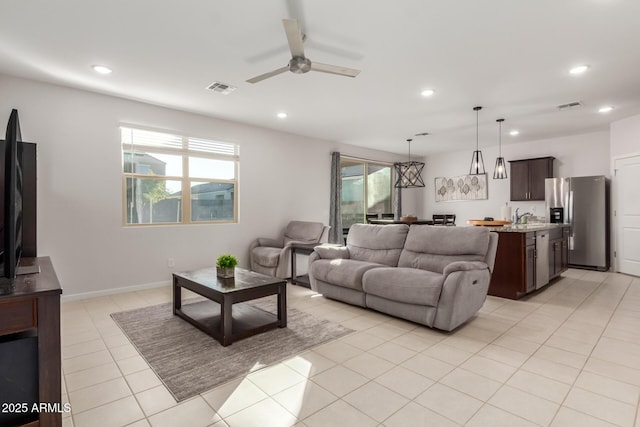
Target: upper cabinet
527,178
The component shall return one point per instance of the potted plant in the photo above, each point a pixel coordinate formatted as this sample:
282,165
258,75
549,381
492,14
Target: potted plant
225,265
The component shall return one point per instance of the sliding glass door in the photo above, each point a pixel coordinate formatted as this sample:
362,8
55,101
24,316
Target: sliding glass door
366,190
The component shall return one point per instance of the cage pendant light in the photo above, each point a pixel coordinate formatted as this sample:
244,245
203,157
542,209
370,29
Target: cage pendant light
500,172
409,173
477,163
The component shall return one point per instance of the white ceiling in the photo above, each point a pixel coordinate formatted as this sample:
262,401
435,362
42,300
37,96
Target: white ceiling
510,56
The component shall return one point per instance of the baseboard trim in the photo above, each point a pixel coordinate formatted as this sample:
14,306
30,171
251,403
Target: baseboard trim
105,292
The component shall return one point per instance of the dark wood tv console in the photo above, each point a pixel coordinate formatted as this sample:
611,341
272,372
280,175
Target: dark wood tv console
31,310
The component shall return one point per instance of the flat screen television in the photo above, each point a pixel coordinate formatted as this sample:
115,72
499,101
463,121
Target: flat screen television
11,197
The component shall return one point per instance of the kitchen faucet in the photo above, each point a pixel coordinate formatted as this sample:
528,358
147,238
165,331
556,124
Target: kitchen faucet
519,217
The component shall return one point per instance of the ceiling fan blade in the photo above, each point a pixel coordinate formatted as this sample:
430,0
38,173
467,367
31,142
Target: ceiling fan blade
294,37
334,69
265,76
294,8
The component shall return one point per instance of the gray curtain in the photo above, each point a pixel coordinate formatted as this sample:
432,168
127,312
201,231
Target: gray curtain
335,214
397,202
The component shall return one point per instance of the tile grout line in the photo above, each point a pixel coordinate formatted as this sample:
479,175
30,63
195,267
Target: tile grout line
573,385
597,288
528,358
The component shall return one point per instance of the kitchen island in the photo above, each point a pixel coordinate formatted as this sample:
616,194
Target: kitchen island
528,258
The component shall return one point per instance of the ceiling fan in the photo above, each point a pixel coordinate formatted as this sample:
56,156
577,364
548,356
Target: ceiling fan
299,63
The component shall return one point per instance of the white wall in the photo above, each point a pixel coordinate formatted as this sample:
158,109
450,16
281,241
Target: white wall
282,177
625,137
578,155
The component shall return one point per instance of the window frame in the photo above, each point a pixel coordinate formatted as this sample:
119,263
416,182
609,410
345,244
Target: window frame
185,151
366,164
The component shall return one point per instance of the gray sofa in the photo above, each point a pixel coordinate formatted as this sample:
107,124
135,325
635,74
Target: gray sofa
435,276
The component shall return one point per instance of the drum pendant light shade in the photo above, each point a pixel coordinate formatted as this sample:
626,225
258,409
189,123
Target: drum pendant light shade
477,163
500,171
409,173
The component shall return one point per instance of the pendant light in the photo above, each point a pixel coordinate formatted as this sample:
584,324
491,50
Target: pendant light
477,164
409,173
500,171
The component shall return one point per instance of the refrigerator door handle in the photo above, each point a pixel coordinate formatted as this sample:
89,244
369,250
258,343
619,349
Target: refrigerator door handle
570,218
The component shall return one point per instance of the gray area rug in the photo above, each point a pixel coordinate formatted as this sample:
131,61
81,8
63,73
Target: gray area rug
190,362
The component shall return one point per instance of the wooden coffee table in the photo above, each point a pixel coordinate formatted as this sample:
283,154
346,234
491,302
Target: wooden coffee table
223,317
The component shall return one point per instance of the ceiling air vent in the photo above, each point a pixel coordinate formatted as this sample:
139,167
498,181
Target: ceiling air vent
570,106
222,88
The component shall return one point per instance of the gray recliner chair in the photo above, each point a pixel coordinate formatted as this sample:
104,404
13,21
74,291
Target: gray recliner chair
273,256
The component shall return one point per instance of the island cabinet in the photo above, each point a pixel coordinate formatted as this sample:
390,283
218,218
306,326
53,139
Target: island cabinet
514,273
527,178
518,259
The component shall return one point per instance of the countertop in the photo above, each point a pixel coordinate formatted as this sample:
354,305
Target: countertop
487,223
526,228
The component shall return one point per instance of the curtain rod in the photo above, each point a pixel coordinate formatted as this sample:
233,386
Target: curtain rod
362,158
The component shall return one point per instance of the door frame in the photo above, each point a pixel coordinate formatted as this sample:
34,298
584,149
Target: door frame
615,207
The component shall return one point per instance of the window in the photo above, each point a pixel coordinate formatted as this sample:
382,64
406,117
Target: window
172,179
366,189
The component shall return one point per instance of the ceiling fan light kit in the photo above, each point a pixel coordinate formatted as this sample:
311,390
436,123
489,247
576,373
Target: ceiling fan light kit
477,163
299,63
500,171
409,173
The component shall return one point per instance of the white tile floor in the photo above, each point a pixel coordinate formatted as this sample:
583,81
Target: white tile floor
567,356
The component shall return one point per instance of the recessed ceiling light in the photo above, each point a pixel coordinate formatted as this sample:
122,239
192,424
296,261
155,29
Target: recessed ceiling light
579,69
514,132
427,92
282,115
605,109
102,69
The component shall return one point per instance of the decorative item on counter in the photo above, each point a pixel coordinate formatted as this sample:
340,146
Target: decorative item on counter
488,218
225,266
409,218
506,212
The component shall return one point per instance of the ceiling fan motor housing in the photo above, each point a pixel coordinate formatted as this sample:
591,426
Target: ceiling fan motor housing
299,65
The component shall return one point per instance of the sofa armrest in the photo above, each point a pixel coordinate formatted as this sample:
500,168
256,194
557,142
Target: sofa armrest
463,294
332,252
464,266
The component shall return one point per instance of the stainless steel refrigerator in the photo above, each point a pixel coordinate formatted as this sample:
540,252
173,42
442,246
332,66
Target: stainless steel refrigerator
583,203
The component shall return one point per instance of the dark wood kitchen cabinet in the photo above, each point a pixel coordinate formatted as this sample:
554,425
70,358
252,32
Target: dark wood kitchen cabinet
514,273
527,178
558,251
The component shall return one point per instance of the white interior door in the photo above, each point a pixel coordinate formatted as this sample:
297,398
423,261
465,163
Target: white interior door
627,181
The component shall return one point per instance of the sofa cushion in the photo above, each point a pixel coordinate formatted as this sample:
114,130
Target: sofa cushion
433,248
266,256
341,272
380,244
407,285
303,232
